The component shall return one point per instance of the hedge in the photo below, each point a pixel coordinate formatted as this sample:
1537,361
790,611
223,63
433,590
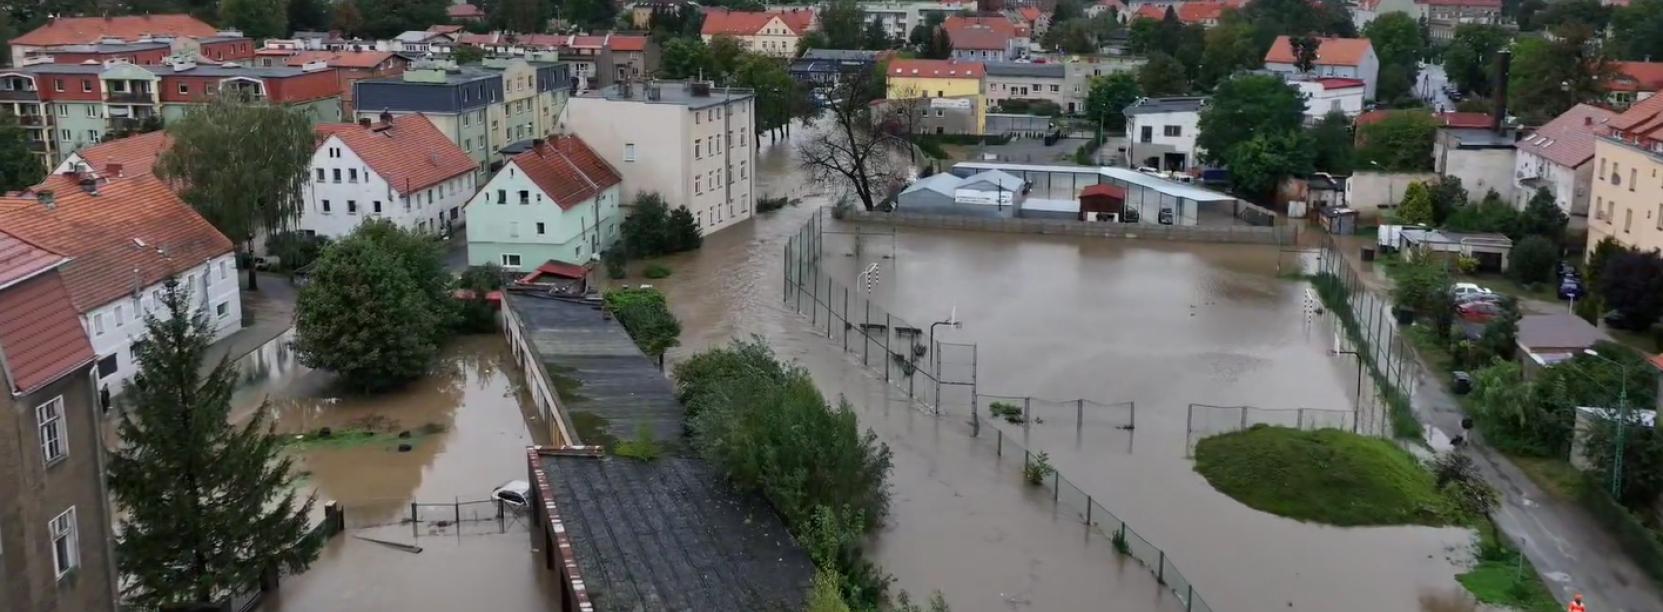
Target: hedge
1640,542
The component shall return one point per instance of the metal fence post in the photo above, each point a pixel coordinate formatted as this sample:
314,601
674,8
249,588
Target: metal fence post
999,446
1160,570
1027,411
1079,414
1056,485
1189,599
888,328
1299,418
1134,423
845,319
866,334
456,507
1244,417
1089,504
414,516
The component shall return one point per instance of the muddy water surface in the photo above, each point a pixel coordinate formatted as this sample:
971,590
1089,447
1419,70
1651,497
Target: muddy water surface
1161,325
468,434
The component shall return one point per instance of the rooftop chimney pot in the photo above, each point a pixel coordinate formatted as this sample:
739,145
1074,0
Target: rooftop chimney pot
112,170
364,121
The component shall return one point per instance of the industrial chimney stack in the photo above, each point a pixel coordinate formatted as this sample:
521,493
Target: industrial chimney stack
1504,65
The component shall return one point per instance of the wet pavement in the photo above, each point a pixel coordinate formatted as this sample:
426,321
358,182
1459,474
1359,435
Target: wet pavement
1159,324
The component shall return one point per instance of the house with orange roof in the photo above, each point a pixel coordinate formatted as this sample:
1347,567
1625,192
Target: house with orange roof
349,67
1635,81
464,12
553,200
774,32
939,85
120,158
1559,157
1626,164
113,37
595,60
1037,20
124,240
50,428
402,169
1350,58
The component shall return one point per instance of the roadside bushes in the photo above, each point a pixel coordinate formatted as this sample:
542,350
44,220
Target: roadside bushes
768,428
646,315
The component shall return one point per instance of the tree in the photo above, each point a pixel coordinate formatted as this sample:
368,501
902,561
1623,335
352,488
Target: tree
345,17
1396,39
876,37
1305,50
308,15
1399,142
589,14
1550,77
1229,48
923,33
1487,216
855,150
940,45
646,315
652,229
777,93
241,164
208,507
519,16
1162,75
1259,165
1396,84
467,54
1590,14
1632,283
382,19
1066,10
1637,31
1543,217
1533,260
1603,252
684,58
1073,36
20,168
726,52
363,315
1448,194
1245,106
1143,35
684,231
1422,287
1108,97
1469,59
1332,144
843,23
1416,208
257,19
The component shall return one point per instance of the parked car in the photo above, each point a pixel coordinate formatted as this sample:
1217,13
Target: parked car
1478,312
1468,289
1165,217
1617,320
1570,288
515,494
1568,269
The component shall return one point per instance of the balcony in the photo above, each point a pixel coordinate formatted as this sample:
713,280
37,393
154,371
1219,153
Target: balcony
38,146
19,94
33,121
130,97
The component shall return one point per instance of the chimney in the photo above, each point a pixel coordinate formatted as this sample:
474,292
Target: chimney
46,199
1504,66
1587,121
364,122
540,146
112,170
386,116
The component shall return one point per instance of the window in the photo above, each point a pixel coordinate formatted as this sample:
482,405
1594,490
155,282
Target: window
336,173
352,207
66,553
321,176
121,309
696,145
86,85
510,260
940,113
1146,134
57,84
222,309
223,270
502,195
525,197
376,207
467,144
698,184
352,175
629,151
741,169
325,206
1632,175
106,367
1172,130
49,417
92,135
98,324
540,227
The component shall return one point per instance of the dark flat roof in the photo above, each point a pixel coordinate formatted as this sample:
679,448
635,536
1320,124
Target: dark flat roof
669,535
617,387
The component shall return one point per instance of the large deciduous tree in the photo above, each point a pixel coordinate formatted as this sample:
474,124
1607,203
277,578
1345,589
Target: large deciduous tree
258,19
1260,164
1550,77
241,163
1163,75
1399,142
1245,106
20,168
1637,31
1632,283
208,507
1333,144
1230,48
857,151
843,24
1469,59
1108,97
520,16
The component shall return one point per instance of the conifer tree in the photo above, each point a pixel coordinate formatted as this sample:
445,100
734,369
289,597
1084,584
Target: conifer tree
209,507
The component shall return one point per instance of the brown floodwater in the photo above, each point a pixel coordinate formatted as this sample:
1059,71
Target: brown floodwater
468,434
1161,325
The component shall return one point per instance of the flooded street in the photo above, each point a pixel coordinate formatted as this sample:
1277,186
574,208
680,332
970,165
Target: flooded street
467,435
1161,325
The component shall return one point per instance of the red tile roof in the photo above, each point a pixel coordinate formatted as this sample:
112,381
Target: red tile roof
41,337
136,154
1452,119
979,38
998,23
409,153
1030,13
102,234
444,29
1495,4
567,170
1331,52
615,42
1151,11
341,59
941,69
721,21
87,30
20,259
1569,139
1339,83
1637,76
1104,190
1199,11
463,11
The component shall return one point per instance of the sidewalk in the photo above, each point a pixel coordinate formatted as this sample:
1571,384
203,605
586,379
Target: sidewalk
272,308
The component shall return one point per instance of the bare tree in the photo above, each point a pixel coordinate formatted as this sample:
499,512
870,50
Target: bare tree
858,145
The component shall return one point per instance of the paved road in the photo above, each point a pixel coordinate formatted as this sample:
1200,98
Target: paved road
1431,87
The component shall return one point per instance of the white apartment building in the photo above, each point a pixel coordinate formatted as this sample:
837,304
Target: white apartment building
1161,132
1326,95
691,143
899,18
1559,157
402,168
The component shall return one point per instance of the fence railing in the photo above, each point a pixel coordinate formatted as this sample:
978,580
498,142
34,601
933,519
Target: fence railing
912,361
244,600
1205,420
1028,411
1368,323
1251,234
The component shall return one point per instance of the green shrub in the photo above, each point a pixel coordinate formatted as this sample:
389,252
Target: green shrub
764,205
656,271
646,315
642,446
1642,543
295,250
1037,468
1009,412
616,263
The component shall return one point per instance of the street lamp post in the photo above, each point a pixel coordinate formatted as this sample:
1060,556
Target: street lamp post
1622,422
935,357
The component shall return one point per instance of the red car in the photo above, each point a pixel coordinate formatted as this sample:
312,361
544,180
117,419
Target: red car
1478,312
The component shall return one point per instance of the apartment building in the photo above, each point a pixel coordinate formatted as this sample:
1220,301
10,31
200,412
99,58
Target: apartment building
1628,174
1559,157
985,29
774,32
1162,132
349,66
479,107
1027,81
1442,17
401,168
78,39
66,107
914,79
125,238
556,200
1634,81
54,524
691,143
594,60
1348,58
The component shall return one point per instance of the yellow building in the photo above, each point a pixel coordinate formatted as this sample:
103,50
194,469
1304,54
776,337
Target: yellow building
911,79
1628,179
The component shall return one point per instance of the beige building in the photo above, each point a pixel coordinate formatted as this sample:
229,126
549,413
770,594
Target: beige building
691,143
1628,176
773,32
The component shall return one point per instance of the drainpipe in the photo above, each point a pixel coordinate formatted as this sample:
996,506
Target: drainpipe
104,496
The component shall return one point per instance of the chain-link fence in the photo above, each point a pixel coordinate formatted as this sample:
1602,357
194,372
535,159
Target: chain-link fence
1370,326
1205,420
1033,466
943,377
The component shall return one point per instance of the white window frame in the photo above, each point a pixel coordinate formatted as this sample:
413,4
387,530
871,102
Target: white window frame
49,423
503,259
65,531
629,152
